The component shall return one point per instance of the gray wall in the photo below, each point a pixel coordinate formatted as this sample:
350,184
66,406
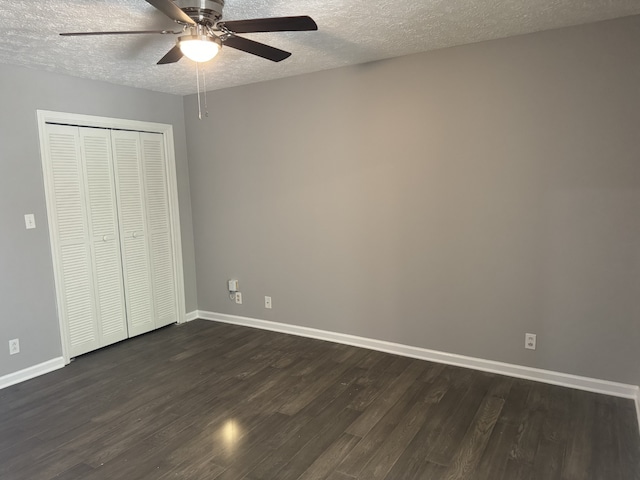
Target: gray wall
452,200
27,292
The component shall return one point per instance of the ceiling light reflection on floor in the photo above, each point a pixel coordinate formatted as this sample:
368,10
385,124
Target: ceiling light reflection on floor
231,432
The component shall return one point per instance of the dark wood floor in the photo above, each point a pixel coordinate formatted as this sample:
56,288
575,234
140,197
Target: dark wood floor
213,401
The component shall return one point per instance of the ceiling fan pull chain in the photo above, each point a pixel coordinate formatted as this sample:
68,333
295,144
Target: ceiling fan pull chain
198,87
204,89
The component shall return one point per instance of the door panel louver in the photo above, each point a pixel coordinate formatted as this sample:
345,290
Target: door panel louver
97,158
127,157
110,292
138,285
103,222
73,240
163,280
133,231
155,182
67,185
162,267
76,274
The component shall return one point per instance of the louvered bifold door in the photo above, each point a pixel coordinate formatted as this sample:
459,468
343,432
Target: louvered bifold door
72,240
103,228
133,231
159,228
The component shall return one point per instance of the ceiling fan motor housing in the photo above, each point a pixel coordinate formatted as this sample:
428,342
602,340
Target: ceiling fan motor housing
204,12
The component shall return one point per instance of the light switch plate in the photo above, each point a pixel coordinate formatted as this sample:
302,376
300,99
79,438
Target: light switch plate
30,221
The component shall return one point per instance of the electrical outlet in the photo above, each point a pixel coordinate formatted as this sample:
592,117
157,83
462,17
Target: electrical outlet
267,302
14,346
239,297
530,341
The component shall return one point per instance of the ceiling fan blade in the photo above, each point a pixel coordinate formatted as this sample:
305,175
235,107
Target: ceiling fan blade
172,56
172,11
256,48
276,24
130,32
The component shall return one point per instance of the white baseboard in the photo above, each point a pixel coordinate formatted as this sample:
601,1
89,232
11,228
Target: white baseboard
189,317
31,372
536,374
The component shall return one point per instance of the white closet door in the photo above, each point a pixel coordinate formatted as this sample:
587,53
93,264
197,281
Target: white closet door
103,225
133,231
72,239
159,228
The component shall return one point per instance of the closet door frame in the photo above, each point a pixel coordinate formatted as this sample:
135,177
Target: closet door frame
78,120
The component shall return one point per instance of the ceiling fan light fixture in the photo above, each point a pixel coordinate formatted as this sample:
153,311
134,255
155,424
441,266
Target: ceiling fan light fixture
199,48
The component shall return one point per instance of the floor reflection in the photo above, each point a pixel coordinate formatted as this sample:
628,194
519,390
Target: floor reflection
231,433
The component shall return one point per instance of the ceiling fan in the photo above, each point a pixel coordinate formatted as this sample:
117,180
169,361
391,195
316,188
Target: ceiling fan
204,33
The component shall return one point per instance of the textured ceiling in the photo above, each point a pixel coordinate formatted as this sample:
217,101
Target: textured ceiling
350,32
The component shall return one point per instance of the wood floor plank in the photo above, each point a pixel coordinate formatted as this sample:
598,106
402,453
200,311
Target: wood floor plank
233,447
77,471
475,441
413,458
377,378
432,371
283,396
458,423
395,444
287,442
493,463
189,469
338,476
417,471
554,433
332,456
21,452
494,460
523,451
605,461
307,391
578,459
344,382
627,438
296,455
367,448
224,402
385,400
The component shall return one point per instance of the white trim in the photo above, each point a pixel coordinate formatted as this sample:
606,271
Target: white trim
637,400
546,376
191,316
64,118
31,372
46,116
